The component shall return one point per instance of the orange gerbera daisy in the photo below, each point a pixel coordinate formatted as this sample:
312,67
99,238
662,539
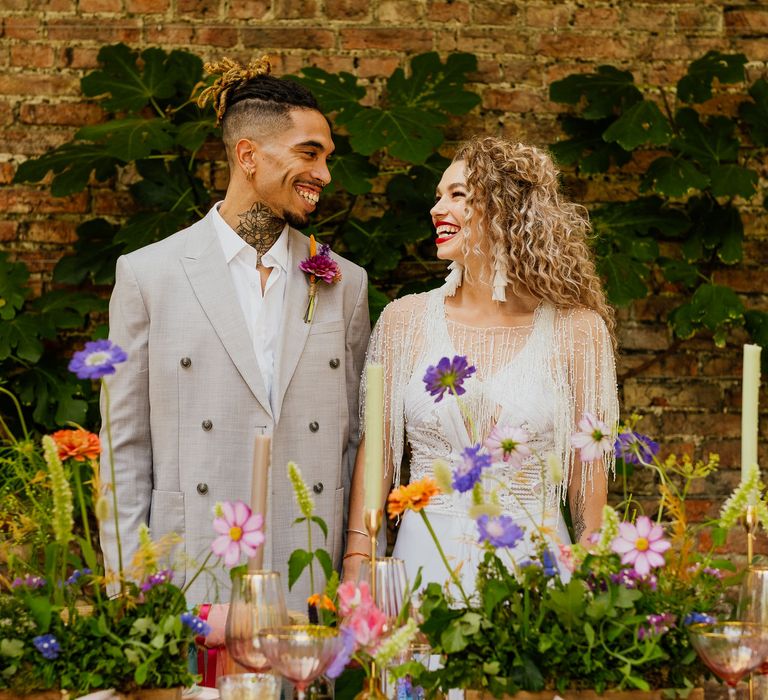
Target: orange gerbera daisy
77,444
320,600
414,496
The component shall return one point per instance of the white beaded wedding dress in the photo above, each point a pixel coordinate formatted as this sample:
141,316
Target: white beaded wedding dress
542,376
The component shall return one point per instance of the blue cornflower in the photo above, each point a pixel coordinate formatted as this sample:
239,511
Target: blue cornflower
635,447
47,645
156,579
448,375
696,617
499,531
344,654
549,563
97,359
468,473
198,626
77,574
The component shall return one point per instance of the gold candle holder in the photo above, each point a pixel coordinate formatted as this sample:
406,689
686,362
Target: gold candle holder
372,520
750,525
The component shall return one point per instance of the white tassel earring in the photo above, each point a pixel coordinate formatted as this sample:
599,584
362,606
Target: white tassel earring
454,278
499,280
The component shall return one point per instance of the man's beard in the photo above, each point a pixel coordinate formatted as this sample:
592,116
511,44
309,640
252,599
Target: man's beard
296,220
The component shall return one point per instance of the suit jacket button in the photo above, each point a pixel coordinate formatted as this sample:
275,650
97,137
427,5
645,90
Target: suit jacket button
318,487
185,362
314,426
207,425
202,489
334,363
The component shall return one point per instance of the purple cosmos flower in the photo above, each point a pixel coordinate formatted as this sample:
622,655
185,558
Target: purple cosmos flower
501,531
156,579
28,581
468,473
635,448
448,375
97,360
77,574
47,645
508,444
593,439
198,626
696,617
641,544
629,578
344,655
656,625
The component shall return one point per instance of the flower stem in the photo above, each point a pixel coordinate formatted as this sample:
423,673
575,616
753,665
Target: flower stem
111,453
451,572
88,554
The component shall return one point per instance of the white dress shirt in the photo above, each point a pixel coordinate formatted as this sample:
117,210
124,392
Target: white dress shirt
263,311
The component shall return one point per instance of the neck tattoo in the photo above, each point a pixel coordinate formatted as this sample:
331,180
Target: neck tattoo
260,227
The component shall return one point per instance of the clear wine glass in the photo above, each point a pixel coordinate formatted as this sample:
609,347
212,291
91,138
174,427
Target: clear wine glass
391,585
257,602
730,649
753,607
300,653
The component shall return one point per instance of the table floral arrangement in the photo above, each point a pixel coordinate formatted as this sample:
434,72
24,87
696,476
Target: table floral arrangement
59,627
617,616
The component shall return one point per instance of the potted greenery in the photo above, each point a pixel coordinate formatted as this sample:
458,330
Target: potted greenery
60,630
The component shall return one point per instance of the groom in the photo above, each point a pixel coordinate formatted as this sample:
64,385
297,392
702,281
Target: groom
212,320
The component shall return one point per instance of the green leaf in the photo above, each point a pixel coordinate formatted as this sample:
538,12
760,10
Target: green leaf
298,561
696,85
673,177
568,603
680,271
641,123
321,524
95,255
350,171
731,180
11,648
129,87
140,674
716,228
21,336
132,138
624,279
325,562
710,143
192,133
714,307
756,323
13,287
377,300
336,92
589,634
586,148
72,165
605,92
406,133
434,85
755,113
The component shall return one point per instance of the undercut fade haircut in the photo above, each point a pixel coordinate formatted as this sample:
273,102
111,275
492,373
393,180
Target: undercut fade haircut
261,106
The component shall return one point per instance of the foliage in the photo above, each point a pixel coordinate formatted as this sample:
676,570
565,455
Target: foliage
59,626
702,170
152,137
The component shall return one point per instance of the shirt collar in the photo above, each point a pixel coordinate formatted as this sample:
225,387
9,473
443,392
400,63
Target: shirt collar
233,245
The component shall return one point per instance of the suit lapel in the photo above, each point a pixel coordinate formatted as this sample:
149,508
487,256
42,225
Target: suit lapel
294,333
211,282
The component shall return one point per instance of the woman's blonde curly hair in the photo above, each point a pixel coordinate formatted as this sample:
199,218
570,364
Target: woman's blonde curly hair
538,241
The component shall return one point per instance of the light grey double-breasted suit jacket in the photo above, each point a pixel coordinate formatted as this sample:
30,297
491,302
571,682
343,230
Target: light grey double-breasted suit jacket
186,405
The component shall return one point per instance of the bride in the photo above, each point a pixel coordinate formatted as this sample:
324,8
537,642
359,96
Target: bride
524,305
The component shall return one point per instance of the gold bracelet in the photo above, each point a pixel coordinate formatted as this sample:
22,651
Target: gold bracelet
360,532
357,554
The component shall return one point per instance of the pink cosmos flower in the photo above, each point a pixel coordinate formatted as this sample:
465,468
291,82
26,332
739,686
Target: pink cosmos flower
509,444
593,440
240,532
566,557
641,544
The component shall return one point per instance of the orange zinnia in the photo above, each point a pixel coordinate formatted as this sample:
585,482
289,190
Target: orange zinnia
321,601
77,444
414,496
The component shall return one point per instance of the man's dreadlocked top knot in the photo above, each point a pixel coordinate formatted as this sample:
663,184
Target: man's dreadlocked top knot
231,76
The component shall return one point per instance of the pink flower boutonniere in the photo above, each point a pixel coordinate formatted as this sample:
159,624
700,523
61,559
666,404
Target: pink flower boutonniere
319,265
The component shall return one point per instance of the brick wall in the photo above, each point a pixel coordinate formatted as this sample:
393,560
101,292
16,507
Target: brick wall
690,392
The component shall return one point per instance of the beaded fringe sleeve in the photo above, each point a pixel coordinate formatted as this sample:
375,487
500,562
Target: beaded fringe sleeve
574,350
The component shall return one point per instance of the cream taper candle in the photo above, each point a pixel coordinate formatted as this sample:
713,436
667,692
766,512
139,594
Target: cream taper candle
259,485
750,389
374,435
